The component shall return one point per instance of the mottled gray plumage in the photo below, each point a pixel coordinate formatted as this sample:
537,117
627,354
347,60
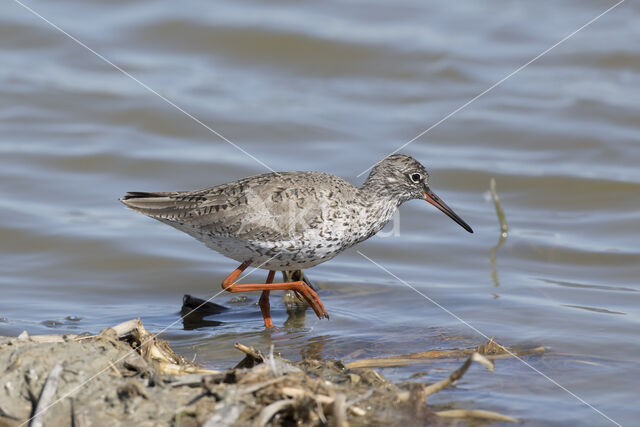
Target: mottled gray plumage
289,220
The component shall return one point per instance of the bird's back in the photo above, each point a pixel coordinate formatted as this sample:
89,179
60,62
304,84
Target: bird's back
268,207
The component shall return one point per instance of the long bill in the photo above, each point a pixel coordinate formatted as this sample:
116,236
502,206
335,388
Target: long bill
432,198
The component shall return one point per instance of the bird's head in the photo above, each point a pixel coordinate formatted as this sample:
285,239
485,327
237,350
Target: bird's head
403,178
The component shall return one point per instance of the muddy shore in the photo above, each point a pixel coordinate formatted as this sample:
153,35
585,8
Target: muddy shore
127,376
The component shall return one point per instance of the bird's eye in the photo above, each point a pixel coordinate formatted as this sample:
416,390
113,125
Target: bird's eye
415,177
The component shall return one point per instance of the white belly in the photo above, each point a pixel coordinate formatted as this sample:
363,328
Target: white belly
306,248
281,255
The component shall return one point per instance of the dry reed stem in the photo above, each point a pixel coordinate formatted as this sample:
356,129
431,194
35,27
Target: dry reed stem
458,373
476,413
489,349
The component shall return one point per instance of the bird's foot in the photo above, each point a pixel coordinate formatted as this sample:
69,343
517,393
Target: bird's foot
311,297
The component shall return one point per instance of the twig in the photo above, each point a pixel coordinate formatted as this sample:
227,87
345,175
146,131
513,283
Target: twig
113,367
322,400
530,352
504,228
252,358
429,356
175,369
339,411
458,373
268,412
249,351
46,395
503,231
255,387
406,359
299,393
125,328
476,413
382,362
356,410
455,375
53,338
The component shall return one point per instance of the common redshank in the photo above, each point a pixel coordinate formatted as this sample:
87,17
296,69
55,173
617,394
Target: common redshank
290,220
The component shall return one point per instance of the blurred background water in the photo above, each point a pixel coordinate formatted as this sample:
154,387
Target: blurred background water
335,86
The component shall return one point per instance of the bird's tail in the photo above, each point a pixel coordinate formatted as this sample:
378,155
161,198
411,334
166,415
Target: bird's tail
167,206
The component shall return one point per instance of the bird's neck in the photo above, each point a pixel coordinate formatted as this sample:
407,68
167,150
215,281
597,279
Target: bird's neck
379,205
378,190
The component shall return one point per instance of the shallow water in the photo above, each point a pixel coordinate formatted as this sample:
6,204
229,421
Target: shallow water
335,87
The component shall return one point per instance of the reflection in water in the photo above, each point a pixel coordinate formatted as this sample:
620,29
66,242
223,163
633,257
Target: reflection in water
296,310
596,309
296,276
313,347
503,231
494,270
296,307
588,286
194,310
196,320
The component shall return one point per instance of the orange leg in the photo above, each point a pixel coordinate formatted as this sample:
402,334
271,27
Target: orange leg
264,302
298,287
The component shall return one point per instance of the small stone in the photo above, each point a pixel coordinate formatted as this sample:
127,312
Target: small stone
355,379
31,376
51,323
135,362
131,390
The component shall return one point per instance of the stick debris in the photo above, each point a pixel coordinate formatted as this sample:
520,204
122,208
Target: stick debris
153,384
490,349
476,413
46,396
